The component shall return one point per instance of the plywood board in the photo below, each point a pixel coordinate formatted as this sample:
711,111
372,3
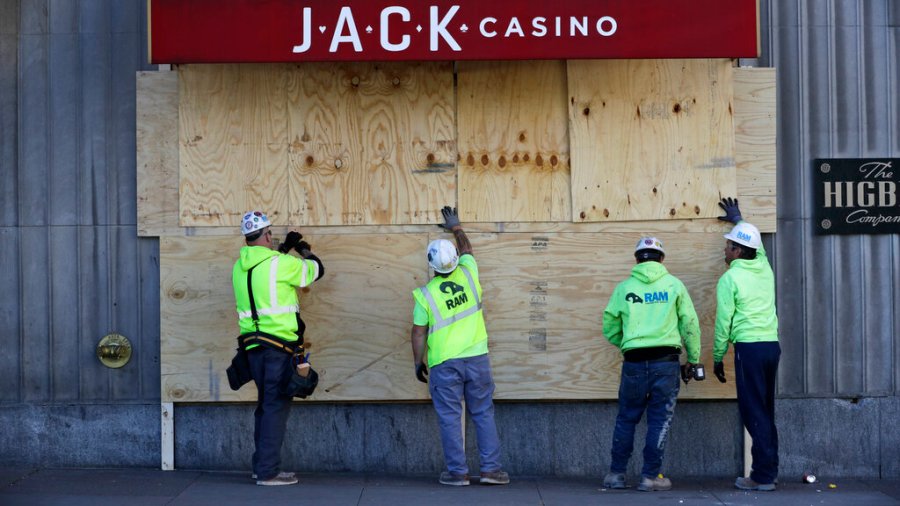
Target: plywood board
755,118
358,317
650,139
544,298
514,145
371,143
232,143
157,153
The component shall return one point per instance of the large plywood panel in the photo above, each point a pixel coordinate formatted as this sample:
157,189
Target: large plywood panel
157,153
233,143
371,143
650,139
755,118
544,298
358,317
514,145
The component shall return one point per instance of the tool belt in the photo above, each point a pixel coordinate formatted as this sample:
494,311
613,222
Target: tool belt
292,383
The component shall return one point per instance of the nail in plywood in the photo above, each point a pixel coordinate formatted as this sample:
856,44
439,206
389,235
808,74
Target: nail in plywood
233,143
514,146
755,128
157,153
650,139
544,297
371,143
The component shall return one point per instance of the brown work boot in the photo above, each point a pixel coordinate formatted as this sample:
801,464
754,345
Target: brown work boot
495,478
454,480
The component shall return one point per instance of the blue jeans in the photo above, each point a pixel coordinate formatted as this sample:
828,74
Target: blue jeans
755,371
267,367
650,386
450,382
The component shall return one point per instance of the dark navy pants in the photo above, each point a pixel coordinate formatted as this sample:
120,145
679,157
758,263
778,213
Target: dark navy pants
267,367
650,386
755,371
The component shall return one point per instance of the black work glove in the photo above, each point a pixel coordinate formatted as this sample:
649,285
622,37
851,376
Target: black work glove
719,371
302,246
422,373
687,374
732,211
451,219
290,242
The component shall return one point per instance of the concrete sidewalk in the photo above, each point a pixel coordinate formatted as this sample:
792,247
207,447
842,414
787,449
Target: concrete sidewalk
153,487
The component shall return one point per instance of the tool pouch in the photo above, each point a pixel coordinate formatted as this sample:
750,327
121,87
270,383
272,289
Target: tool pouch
239,371
295,385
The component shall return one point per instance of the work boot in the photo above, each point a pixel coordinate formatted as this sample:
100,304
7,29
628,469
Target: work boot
614,480
749,484
454,480
283,474
495,478
655,483
278,480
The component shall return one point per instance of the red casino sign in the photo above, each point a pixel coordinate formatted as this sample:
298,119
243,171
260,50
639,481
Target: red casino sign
208,31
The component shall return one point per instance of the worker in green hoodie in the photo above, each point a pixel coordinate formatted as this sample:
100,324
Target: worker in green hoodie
745,316
648,317
265,284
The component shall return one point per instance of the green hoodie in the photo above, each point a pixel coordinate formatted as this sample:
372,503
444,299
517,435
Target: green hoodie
652,308
745,309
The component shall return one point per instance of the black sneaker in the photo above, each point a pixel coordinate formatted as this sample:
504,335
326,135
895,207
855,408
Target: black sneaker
454,480
495,478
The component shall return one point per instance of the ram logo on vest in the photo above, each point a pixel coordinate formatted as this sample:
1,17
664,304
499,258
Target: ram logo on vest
451,288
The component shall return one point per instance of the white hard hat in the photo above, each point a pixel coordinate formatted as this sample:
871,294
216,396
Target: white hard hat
649,243
442,256
745,234
253,221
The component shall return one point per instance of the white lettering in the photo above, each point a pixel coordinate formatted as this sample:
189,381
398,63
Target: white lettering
540,29
514,26
887,194
582,27
612,26
558,26
482,26
864,195
440,28
862,216
833,195
345,18
385,25
307,39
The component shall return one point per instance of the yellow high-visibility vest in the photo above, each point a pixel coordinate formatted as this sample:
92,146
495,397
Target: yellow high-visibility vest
455,316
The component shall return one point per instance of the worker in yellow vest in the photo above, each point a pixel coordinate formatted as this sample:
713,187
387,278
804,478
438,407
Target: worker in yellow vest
448,320
265,284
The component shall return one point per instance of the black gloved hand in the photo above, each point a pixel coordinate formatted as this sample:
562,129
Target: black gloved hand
719,371
687,374
290,241
732,211
302,246
422,373
451,218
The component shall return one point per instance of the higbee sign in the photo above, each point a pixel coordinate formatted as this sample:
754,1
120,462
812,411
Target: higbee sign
208,31
857,195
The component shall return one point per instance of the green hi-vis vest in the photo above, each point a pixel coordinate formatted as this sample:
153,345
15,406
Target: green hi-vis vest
275,281
455,316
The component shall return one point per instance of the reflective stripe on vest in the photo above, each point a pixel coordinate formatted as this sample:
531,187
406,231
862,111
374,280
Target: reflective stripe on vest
439,321
275,309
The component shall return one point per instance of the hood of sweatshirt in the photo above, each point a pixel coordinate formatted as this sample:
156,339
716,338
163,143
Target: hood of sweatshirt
253,255
648,272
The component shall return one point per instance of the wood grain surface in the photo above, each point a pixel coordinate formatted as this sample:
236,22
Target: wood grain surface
755,127
157,153
650,139
544,298
514,145
371,143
